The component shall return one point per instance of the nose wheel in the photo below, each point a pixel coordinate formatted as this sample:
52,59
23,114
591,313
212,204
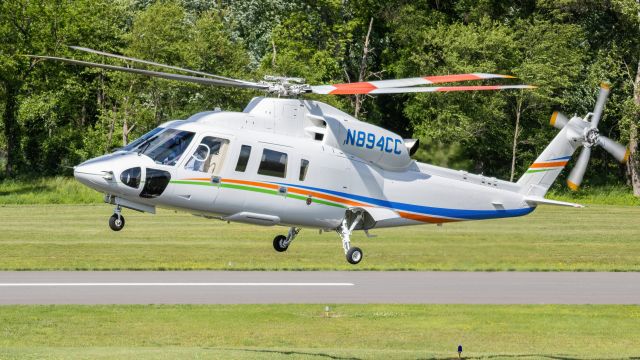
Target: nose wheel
116,221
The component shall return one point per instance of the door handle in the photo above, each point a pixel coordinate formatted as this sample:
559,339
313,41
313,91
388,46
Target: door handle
215,180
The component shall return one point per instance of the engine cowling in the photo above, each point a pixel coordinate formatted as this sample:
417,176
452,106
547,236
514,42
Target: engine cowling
369,143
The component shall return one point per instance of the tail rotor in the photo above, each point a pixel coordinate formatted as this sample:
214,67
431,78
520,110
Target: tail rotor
586,131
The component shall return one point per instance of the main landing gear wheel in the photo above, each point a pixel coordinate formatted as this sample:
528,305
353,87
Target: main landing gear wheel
116,222
280,243
354,255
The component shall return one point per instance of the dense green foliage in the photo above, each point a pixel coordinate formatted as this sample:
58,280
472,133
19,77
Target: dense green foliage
56,115
303,332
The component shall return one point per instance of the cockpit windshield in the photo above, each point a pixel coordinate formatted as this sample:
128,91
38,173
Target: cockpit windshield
133,145
166,146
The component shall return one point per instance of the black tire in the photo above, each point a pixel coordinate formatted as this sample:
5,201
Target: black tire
278,243
116,223
354,255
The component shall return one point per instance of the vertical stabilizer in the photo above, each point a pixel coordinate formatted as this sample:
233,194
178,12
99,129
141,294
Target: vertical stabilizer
544,171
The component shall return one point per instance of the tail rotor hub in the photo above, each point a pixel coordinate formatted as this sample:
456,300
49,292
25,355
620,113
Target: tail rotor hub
591,137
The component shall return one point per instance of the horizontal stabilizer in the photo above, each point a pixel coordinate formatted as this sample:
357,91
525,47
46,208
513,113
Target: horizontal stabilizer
537,200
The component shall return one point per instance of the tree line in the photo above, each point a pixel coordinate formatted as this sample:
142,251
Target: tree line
55,115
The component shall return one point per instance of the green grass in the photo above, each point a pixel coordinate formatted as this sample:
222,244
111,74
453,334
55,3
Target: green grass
54,190
302,331
611,195
66,190
76,237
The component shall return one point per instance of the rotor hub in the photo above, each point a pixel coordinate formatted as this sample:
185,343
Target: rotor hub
591,137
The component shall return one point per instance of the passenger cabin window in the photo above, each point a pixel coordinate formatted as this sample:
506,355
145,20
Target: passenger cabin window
208,156
304,165
243,159
167,146
273,163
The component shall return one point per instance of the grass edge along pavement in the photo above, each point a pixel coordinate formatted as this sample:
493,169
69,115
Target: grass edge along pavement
351,331
76,237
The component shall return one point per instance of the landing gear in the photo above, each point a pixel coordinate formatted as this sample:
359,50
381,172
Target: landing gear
354,254
116,221
281,243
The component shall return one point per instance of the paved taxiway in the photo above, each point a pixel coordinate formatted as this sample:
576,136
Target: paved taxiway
359,287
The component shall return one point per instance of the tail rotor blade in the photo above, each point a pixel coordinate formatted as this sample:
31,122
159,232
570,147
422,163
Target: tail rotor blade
620,152
558,120
602,99
577,173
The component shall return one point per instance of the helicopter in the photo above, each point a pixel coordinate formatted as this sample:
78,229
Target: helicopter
302,163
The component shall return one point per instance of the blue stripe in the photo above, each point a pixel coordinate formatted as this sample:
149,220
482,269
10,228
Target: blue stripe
426,210
561,158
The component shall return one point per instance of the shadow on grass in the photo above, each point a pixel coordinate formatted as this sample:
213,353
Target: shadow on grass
515,356
284,352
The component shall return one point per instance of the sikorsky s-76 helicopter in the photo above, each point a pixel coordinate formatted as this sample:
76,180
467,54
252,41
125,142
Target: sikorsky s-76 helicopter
305,164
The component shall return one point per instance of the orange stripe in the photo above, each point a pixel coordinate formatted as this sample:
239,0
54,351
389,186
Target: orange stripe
251,183
203,179
295,191
547,165
425,218
324,196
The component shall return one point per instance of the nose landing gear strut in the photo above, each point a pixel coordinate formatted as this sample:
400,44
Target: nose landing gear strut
116,221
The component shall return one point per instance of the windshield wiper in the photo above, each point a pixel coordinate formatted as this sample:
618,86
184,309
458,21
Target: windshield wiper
145,144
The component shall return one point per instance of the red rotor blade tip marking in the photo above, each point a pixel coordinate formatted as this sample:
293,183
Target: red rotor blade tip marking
353,88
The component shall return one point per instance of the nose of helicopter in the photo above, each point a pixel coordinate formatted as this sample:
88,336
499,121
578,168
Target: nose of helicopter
95,174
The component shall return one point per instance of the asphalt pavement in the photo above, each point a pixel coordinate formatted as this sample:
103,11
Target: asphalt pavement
317,287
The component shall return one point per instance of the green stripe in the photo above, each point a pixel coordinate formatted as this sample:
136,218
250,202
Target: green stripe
192,182
318,201
540,170
242,187
258,190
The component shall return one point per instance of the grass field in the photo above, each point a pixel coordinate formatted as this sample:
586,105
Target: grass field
302,331
76,237
66,190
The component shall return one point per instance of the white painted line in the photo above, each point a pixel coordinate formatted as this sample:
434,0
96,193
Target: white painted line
170,284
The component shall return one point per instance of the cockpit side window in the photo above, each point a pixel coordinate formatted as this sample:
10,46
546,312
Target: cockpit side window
208,156
273,163
167,146
243,159
304,166
134,144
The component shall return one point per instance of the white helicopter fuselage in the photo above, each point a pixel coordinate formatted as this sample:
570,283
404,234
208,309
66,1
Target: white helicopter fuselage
405,193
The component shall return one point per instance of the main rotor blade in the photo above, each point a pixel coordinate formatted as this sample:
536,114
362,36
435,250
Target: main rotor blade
577,173
424,80
351,90
122,57
620,152
602,99
169,76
